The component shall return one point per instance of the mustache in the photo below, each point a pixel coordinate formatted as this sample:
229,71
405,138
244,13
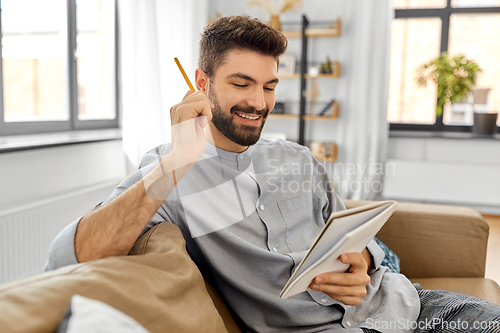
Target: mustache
249,110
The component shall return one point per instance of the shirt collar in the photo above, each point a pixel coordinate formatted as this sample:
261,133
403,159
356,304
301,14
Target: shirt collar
228,155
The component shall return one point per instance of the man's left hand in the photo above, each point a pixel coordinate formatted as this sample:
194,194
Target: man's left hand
348,288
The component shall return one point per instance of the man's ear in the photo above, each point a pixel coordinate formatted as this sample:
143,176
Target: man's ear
201,79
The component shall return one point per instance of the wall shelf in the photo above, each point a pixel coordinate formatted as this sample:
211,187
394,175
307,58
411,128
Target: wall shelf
335,31
334,115
291,116
330,159
331,156
334,75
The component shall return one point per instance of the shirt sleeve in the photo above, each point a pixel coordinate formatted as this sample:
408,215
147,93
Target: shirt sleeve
62,250
376,252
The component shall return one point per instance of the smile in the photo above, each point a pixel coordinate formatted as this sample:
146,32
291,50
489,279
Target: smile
245,116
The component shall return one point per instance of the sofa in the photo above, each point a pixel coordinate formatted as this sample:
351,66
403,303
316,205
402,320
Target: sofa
440,247
158,285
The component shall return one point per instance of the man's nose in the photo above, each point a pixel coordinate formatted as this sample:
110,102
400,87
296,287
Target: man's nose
257,100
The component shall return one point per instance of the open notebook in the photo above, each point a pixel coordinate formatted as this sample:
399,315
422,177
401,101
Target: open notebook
345,231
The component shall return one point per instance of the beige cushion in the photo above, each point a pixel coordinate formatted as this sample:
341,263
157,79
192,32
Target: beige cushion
477,287
156,241
162,290
224,312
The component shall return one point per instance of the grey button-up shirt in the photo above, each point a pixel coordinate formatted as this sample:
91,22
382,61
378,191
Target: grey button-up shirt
248,220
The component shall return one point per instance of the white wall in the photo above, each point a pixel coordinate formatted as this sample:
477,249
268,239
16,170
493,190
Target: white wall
34,175
462,172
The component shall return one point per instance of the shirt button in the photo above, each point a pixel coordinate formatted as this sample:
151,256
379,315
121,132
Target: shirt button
324,300
275,249
348,323
261,207
242,157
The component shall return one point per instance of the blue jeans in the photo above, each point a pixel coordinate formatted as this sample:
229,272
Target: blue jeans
444,311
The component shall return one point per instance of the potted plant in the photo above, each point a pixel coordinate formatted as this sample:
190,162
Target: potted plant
455,78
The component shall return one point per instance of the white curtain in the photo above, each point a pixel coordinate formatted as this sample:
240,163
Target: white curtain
363,134
152,33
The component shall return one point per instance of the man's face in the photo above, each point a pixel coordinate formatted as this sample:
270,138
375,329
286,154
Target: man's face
242,91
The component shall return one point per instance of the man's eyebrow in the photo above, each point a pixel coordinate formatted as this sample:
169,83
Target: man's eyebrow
276,80
248,78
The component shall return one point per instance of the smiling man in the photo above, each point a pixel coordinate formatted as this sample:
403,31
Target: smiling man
217,182
246,91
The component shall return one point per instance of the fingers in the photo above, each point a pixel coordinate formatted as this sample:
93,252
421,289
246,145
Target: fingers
189,120
185,111
357,265
341,283
356,261
348,300
342,279
338,292
349,294
207,111
189,92
193,105
348,288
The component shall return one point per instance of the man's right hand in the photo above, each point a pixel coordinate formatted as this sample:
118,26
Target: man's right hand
189,120
190,132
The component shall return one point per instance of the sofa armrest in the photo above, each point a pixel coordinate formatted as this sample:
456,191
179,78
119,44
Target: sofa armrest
435,240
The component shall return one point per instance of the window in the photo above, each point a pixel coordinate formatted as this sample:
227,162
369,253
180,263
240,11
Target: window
422,29
417,41
58,65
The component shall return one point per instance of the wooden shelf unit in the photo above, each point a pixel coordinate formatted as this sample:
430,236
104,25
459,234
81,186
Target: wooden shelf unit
291,116
334,115
334,75
335,31
332,157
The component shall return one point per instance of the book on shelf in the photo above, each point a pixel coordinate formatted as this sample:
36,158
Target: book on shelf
345,231
325,109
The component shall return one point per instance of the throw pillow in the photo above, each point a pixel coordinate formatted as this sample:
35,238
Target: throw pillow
162,290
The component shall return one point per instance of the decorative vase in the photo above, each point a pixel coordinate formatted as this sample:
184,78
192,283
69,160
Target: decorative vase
279,108
485,123
275,22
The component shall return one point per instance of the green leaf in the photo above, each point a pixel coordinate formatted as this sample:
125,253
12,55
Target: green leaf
455,78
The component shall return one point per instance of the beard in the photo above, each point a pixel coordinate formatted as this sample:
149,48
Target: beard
244,135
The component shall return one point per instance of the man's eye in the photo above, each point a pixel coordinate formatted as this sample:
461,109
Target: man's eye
269,89
239,85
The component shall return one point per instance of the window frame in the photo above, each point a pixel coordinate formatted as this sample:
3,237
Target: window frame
73,123
444,14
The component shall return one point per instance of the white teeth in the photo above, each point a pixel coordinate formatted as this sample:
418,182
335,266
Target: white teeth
247,116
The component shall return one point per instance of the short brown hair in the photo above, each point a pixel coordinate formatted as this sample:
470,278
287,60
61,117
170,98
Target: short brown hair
237,32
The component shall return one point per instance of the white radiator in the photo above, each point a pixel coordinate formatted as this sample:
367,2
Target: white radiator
475,185
26,232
